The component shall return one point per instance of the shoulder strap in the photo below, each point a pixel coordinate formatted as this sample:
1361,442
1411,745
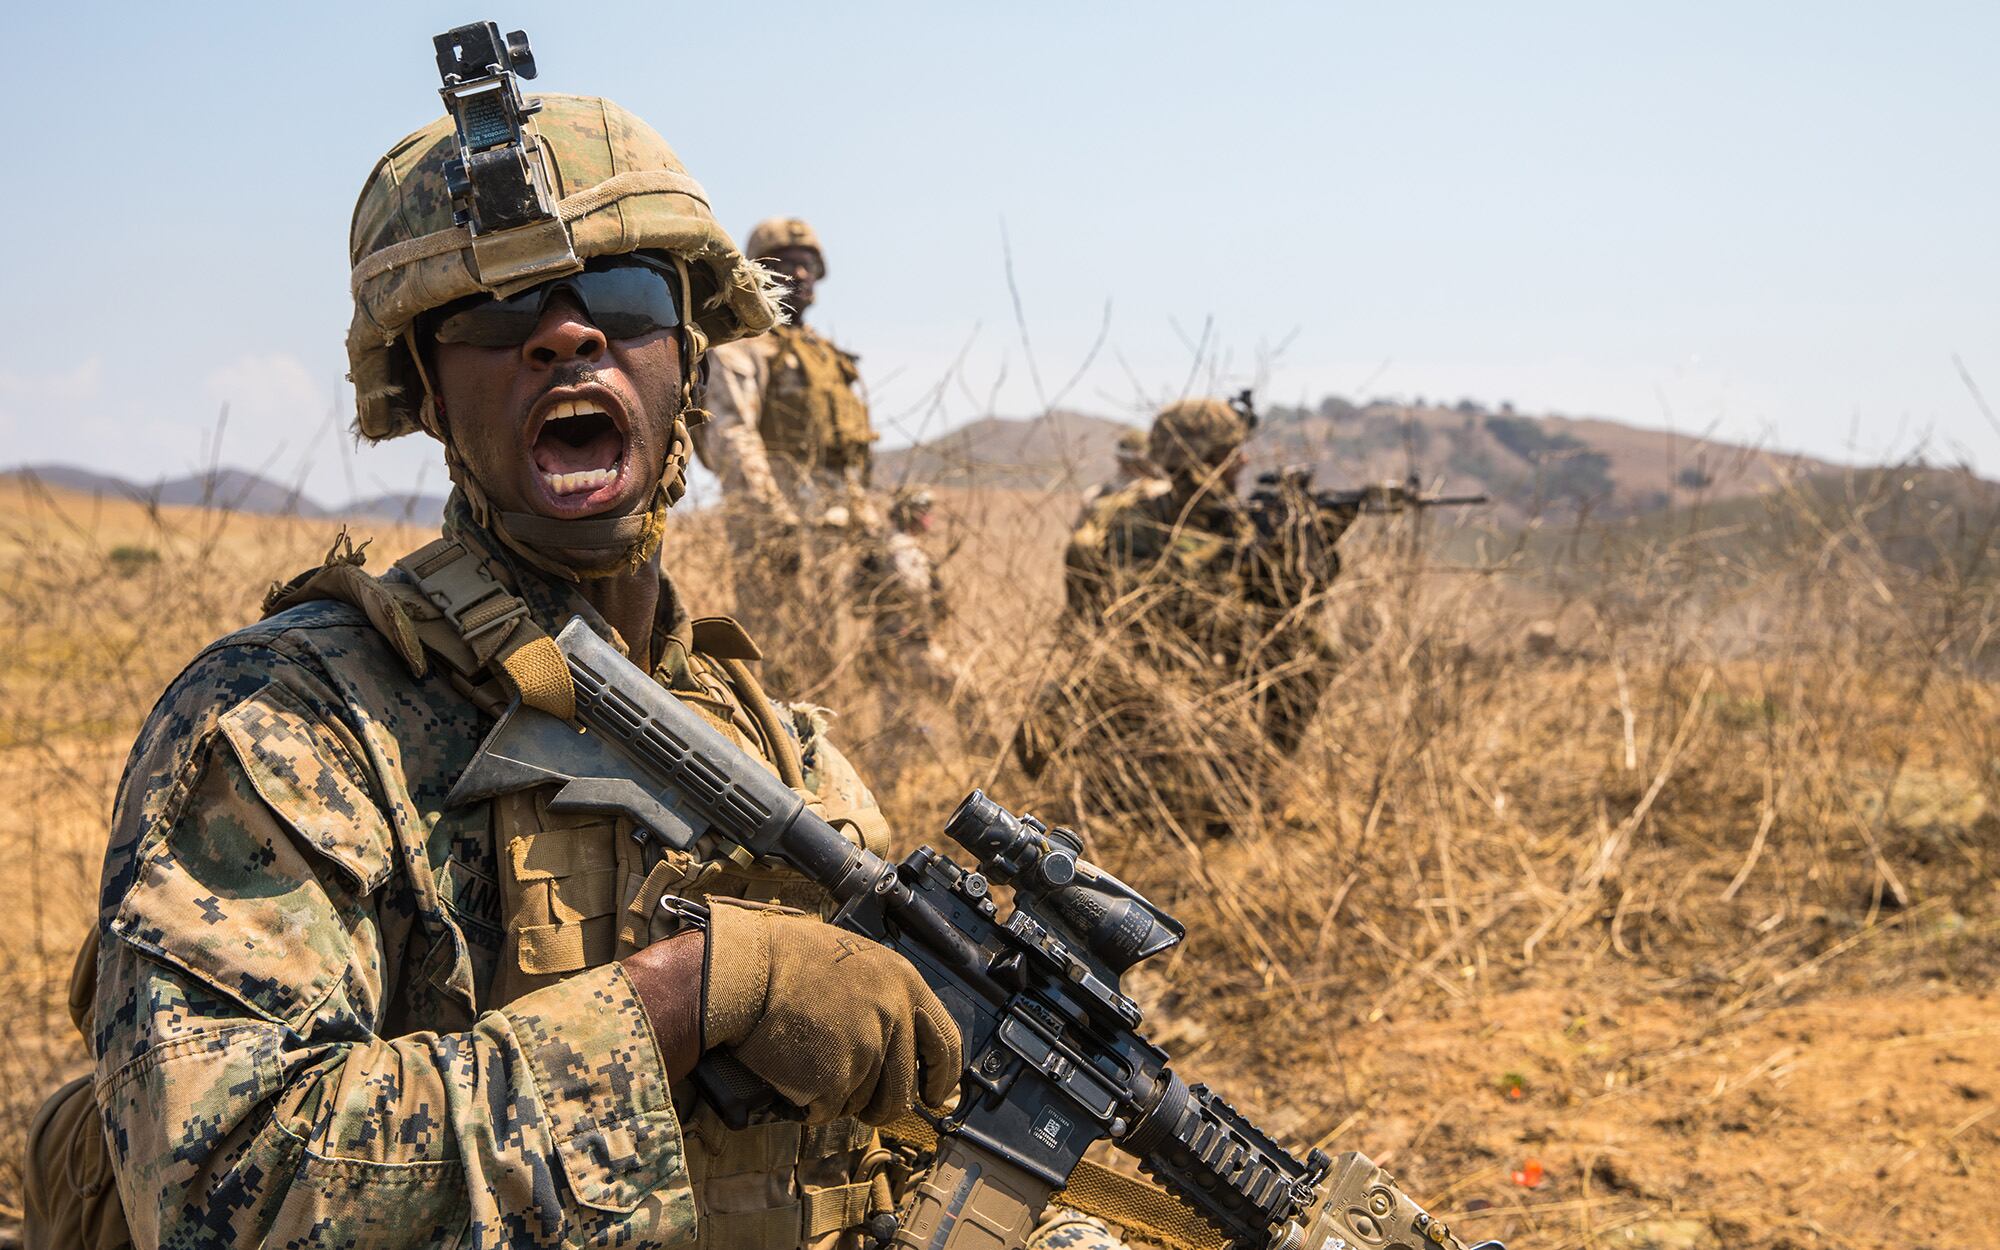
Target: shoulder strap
340,578
459,611
724,638
490,622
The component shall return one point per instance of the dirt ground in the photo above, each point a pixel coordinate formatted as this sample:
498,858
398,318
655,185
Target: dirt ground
1607,953
1854,1119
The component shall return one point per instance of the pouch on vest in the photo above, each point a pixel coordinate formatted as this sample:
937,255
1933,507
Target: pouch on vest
810,411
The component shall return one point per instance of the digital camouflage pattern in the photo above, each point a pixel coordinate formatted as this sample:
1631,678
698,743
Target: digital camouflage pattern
1064,1228
297,1033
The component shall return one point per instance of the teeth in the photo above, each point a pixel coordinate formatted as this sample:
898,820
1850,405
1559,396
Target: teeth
565,409
581,481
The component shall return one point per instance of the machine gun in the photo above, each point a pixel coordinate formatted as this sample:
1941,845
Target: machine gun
1054,1059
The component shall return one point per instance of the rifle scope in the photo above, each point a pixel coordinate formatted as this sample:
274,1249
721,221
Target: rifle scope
1116,923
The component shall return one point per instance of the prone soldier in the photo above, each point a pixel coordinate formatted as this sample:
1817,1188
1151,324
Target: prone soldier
789,435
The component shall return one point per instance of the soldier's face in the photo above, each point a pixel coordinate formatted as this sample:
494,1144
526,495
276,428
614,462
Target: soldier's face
800,268
571,423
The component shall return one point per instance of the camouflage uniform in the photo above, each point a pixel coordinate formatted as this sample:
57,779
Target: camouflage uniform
327,1009
795,472
789,435
1188,630
788,430
321,1016
898,590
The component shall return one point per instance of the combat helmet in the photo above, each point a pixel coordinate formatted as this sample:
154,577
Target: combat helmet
772,233
1131,454
619,188
1192,436
910,506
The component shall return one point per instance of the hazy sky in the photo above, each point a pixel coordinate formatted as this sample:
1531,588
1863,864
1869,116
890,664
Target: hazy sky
1776,220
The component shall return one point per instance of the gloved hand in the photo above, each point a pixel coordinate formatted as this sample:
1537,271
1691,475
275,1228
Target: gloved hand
836,1023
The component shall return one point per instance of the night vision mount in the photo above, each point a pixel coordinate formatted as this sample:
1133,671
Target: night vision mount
500,182
1244,404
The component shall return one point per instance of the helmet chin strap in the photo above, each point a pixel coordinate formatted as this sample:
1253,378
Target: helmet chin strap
590,547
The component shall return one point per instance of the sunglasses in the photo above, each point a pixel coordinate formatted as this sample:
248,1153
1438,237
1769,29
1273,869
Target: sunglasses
626,298
785,266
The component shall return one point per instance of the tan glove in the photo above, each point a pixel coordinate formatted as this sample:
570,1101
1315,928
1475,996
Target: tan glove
836,1023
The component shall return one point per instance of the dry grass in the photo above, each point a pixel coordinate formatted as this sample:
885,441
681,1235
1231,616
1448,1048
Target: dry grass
1663,860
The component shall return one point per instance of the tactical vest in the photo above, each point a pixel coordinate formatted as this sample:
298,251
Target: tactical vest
811,412
575,892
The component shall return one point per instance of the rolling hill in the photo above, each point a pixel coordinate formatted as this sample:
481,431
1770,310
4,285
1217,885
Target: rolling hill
1529,465
232,490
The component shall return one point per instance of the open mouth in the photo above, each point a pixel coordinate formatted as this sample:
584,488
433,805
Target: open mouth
578,453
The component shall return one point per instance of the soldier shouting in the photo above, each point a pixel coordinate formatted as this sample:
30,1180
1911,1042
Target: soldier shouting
331,1009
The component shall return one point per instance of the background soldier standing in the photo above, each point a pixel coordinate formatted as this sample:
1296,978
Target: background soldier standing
788,429
332,1008
789,436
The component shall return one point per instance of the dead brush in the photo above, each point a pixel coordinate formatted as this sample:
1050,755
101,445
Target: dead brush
1717,758
101,603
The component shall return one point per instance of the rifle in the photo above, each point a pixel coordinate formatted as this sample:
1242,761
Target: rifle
1054,1058
1277,489
1299,526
